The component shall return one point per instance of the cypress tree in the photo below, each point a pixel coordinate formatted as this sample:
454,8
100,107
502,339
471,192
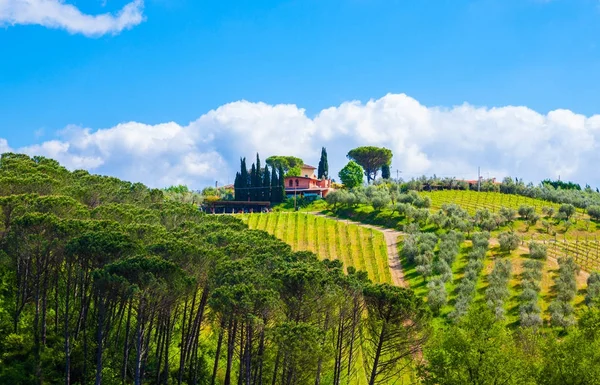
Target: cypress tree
243,180
253,183
258,195
385,171
236,187
266,191
281,185
274,185
323,169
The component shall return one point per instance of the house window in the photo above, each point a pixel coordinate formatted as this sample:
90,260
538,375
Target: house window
296,182
291,183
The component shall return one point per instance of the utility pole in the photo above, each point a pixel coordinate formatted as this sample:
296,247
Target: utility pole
398,175
295,208
478,179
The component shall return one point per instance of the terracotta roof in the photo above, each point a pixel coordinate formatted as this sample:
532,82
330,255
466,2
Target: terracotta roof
307,166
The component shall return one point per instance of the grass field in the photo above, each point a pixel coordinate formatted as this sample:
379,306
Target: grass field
356,246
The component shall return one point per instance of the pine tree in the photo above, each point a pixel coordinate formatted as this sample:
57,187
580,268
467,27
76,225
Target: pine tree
258,180
323,170
266,191
274,187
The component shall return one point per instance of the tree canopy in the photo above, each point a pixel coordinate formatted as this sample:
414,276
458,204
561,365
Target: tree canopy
371,159
351,175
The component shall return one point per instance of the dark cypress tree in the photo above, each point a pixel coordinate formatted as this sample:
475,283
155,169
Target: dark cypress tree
236,188
274,187
266,191
253,184
243,180
323,169
258,181
385,171
281,194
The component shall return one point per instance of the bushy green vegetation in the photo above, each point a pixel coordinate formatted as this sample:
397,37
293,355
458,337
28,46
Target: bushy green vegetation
105,281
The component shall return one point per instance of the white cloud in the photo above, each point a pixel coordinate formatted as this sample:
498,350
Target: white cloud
504,141
57,14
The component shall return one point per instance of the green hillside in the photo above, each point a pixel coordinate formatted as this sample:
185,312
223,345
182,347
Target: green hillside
361,248
109,282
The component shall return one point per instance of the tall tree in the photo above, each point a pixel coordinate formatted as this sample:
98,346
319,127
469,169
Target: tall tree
258,182
281,193
396,328
323,169
385,171
252,192
274,186
478,350
287,162
266,192
371,159
244,180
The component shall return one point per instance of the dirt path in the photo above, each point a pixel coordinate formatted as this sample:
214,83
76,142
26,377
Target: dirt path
391,241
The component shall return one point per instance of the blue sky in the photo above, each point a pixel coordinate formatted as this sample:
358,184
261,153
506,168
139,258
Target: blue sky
73,84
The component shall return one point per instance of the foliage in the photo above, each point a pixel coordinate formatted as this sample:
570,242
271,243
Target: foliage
323,169
477,350
284,162
371,159
594,212
538,250
351,175
509,241
105,281
561,309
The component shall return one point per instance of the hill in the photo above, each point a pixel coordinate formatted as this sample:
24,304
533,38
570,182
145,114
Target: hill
106,281
355,246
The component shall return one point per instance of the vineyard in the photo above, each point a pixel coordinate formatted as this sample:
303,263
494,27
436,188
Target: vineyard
493,201
355,246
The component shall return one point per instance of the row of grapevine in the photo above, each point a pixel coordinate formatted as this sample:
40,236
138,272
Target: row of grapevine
354,245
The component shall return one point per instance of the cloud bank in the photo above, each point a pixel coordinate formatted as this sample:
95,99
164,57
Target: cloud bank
57,14
503,141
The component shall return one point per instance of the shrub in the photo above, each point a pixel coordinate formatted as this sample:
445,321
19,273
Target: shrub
537,250
594,212
481,240
567,209
437,296
509,241
507,214
526,211
592,297
548,211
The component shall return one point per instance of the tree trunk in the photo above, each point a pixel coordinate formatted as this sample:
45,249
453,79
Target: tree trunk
230,349
66,328
218,353
126,344
377,355
99,337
